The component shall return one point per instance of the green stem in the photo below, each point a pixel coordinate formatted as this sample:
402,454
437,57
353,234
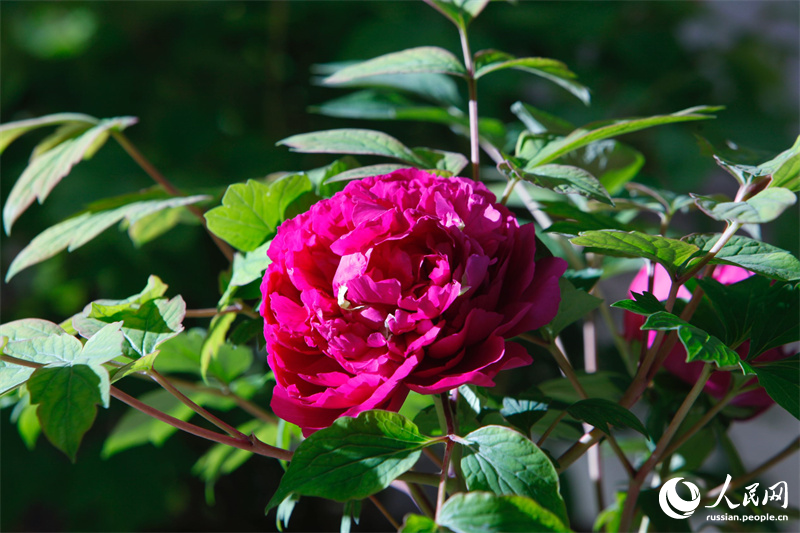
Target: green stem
472,87
636,483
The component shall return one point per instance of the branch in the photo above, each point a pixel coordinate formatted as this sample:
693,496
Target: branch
250,444
159,178
161,380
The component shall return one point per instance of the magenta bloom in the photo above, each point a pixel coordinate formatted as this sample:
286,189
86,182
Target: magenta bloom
401,282
675,363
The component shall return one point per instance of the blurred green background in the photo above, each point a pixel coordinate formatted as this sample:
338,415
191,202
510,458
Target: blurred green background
216,84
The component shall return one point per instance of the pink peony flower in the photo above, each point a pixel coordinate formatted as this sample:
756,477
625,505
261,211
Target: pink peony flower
675,363
407,281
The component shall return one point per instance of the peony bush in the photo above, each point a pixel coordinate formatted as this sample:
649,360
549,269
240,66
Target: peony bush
438,334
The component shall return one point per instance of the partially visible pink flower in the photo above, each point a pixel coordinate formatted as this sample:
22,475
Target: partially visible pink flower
407,281
675,363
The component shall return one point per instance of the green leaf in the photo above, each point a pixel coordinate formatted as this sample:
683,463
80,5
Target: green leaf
670,253
604,130
642,304
500,460
424,59
373,105
700,346
523,413
222,459
136,428
353,458
600,413
12,376
579,220
74,232
103,346
460,12
763,207
484,512
60,349
215,339
740,305
250,212
537,121
246,268
565,179
45,171
610,161
350,514
145,326
362,172
603,384
284,511
777,318
751,254
487,61
439,159
67,396
416,523
11,130
352,141
156,224
781,380
785,168
182,354
437,88
574,305
29,328
28,426
67,131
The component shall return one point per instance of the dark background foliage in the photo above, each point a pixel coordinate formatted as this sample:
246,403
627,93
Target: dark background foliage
216,84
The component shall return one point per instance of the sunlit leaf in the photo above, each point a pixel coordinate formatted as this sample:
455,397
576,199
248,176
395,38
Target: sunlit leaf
763,207
488,61
604,130
423,59
74,232
751,254
250,212
46,171
566,179
670,253
352,141
11,130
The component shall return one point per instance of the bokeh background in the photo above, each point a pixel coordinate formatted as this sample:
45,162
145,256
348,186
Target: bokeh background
216,84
